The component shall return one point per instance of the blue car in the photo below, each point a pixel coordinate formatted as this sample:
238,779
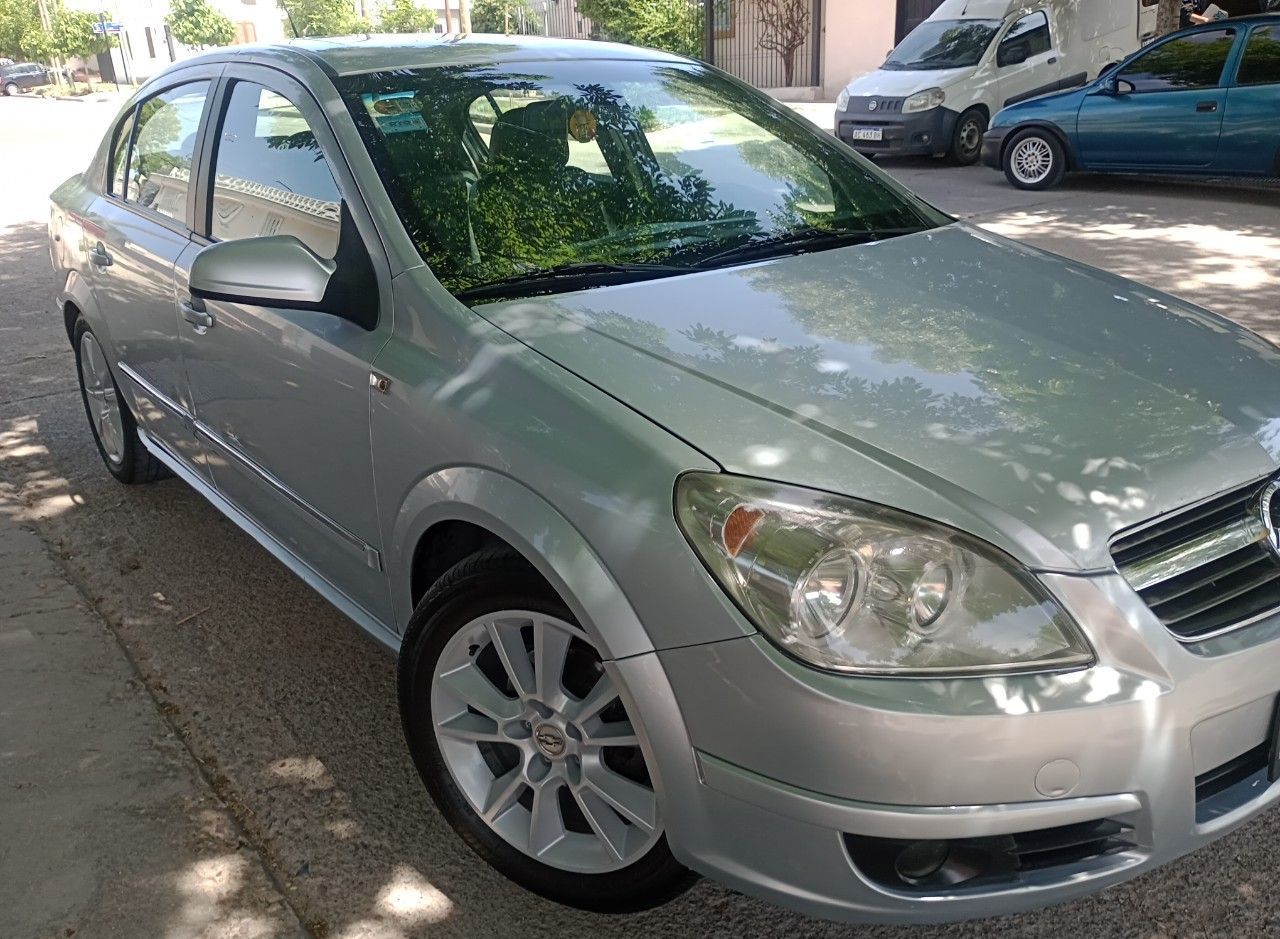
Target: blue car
1200,102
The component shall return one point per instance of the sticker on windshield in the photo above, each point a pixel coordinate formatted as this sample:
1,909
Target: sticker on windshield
395,113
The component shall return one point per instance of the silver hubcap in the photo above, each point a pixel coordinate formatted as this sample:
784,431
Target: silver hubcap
534,735
1032,160
100,392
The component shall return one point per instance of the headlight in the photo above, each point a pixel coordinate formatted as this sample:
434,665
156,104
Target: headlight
842,100
925,100
855,587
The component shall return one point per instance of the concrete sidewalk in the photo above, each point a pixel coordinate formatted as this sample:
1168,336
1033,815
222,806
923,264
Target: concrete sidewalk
107,827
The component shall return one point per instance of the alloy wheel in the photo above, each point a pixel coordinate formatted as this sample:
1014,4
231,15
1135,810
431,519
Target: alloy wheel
1032,160
535,736
100,394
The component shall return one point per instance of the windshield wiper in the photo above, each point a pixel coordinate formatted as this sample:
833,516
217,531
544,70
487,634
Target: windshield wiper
566,277
800,241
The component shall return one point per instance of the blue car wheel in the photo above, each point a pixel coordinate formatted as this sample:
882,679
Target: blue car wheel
1034,159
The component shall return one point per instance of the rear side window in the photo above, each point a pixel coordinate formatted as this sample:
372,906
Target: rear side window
1030,33
120,155
270,177
1261,65
164,144
1194,61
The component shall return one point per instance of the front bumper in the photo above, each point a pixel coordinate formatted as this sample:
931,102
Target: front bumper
993,147
926,133
775,777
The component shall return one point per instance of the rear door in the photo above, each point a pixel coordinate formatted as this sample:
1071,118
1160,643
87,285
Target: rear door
282,395
1027,61
1167,112
138,229
1251,124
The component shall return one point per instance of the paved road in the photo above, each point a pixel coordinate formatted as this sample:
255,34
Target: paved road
291,710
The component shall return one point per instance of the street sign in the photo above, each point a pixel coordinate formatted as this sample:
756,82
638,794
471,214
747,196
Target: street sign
103,28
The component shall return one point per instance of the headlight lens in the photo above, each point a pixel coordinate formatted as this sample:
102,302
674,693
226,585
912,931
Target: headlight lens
855,587
925,100
842,100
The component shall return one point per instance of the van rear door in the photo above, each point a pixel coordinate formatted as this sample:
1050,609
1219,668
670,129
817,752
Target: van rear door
1147,11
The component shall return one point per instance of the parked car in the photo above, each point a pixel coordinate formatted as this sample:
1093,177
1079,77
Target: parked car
730,509
19,77
936,92
1202,102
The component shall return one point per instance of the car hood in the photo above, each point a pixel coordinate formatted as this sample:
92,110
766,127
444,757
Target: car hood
892,83
1036,402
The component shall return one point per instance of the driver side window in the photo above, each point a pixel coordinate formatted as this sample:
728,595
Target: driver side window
1193,61
1026,39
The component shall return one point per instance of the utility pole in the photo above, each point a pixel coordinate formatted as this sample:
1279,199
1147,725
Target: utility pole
464,15
448,27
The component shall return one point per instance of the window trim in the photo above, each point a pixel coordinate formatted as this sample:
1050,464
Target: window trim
179,226
1048,28
1222,82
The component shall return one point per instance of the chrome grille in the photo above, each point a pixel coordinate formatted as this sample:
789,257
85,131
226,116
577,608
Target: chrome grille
1207,569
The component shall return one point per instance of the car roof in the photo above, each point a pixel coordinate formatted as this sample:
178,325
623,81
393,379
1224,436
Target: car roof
351,55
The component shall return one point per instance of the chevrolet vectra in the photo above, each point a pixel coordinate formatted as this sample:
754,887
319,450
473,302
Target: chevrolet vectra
731,511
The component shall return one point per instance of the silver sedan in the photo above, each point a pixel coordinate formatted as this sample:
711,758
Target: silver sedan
730,510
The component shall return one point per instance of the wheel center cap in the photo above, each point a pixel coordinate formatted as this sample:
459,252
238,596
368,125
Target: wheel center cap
550,741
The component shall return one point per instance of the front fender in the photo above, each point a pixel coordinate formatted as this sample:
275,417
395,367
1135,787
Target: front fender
533,527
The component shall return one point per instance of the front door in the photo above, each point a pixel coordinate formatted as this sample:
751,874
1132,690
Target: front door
1027,63
1166,112
138,231
282,395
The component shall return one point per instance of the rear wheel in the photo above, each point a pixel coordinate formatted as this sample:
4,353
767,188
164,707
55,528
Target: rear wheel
114,429
11,89
1034,159
521,738
966,140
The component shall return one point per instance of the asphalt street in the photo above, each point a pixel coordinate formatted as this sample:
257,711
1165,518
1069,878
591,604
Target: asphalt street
291,710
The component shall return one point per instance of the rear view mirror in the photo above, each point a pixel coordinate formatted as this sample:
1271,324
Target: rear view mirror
276,270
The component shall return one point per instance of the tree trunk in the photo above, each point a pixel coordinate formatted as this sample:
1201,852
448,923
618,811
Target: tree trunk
1168,17
448,26
464,15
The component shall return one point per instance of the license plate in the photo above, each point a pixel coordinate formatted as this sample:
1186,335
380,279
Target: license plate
867,133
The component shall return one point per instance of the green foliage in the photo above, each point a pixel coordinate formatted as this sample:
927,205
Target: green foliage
324,17
404,16
503,16
673,25
73,34
195,23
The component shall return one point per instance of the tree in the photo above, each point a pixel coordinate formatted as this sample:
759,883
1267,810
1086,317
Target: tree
786,29
21,35
73,34
324,17
504,16
1168,16
672,25
404,16
195,23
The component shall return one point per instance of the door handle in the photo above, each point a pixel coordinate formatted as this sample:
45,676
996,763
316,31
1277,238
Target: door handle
193,312
1206,107
1053,60
99,256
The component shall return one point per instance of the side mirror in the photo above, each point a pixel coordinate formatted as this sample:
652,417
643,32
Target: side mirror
276,270
1014,55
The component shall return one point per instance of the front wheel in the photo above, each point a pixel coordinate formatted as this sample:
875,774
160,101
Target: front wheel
966,140
1034,159
521,737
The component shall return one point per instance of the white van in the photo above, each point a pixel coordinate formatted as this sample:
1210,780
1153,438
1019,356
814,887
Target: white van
939,88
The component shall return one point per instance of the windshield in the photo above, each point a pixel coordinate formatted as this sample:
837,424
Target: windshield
511,179
937,44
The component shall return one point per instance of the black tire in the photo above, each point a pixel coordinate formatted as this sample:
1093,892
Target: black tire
11,90
966,139
137,465
1021,173
488,581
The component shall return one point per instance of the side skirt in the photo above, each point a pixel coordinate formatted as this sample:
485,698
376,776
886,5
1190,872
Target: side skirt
309,576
